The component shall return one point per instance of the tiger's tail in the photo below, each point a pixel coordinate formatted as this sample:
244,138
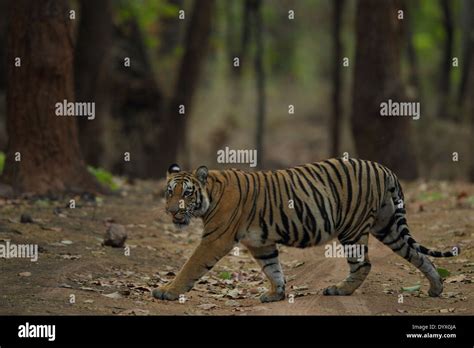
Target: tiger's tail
402,228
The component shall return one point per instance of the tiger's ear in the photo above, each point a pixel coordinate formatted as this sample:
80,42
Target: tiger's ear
201,174
174,168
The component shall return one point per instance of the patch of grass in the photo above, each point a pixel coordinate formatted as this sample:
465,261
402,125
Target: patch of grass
225,275
104,177
470,199
444,273
430,196
2,161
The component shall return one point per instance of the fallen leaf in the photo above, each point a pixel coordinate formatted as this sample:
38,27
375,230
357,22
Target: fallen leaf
135,311
456,279
114,295
207,306
411,288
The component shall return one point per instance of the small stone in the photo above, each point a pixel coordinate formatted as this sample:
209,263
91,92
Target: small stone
26,219
24,274
232,303
115,236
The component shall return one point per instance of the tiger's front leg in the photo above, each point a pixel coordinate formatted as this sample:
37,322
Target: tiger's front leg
267,258
206,255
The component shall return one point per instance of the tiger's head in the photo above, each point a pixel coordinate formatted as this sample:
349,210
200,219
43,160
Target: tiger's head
186,194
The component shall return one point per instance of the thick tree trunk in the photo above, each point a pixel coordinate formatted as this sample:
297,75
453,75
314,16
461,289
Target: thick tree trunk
92,62
469,87
3,71
445,68
172,140
377,78
336,77
40,34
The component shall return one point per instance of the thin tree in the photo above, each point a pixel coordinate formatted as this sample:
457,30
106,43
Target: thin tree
445,68
172,140
92,61
336,76
43,154
387,140
467,47
260,81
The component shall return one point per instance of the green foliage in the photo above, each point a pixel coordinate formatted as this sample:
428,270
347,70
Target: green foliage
104,177
443,272
430,196
147,13
225,275
2,162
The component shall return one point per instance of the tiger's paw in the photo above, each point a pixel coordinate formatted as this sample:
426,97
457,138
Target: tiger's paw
336,291
164,294
272,296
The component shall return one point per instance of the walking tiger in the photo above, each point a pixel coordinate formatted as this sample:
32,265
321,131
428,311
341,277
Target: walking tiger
348,199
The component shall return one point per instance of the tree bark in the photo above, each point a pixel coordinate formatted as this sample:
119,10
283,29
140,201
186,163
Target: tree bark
377,78
445,68
336,77
172,139
467,48
92,62
413,74
260,82
469,83
40,34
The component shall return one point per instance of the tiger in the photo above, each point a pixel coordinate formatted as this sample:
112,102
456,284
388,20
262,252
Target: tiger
303,206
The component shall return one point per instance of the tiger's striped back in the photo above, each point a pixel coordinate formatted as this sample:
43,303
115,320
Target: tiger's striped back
301,206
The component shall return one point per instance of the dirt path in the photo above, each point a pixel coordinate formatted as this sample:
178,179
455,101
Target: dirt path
104,280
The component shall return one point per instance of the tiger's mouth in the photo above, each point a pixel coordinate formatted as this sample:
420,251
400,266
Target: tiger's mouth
181,220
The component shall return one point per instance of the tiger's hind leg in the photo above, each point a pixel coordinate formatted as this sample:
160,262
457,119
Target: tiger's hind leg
267,258
392,230
359,268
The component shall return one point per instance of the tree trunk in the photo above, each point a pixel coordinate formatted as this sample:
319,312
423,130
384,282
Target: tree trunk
169,35
260,82
3,31
40,34
172,139
92,60
3,71
336,77
137,108
469,87
445,68
467,47
413,74
377,78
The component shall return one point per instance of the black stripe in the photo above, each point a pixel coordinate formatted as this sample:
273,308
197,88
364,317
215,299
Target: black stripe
268,256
